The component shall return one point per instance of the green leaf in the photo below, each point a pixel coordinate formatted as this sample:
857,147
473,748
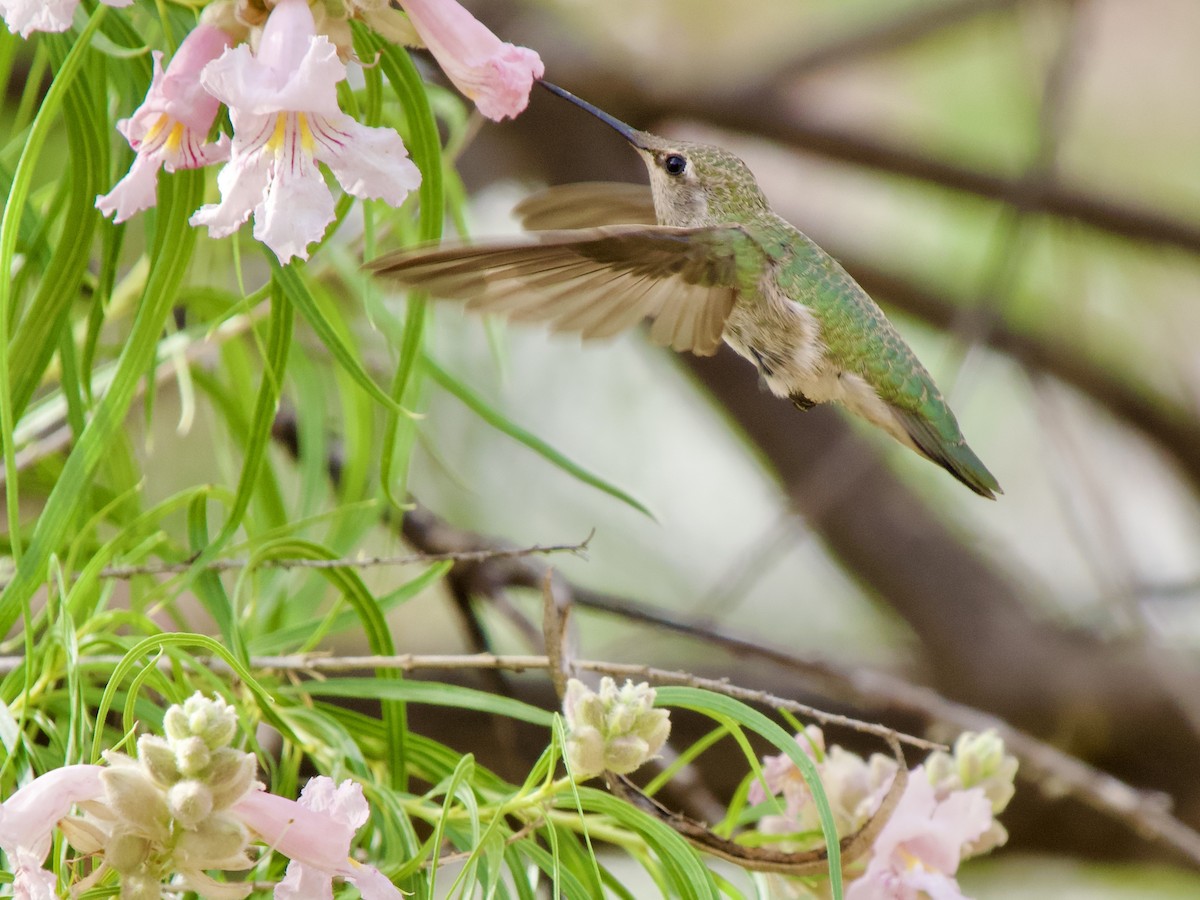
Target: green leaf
378,636
718,705
144,647
179,195
425,146
10,226
294,288
432,693
282,640
682,867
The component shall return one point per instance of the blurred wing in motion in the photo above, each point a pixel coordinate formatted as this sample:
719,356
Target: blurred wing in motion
588,204
595,281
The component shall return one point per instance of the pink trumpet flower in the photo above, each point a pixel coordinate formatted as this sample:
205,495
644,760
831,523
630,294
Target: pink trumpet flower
28,819
496,75
315,833
170,129
918,851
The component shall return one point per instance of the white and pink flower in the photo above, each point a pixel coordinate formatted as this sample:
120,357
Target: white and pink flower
918,851
24,17
187,805
170,129
315,833
283,104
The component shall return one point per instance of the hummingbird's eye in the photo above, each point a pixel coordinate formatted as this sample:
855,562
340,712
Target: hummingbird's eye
674,164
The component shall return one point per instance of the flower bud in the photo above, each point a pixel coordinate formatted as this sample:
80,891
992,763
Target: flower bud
615,729
942,769
585,750
158,760
982,762
127,852
193,756
625,754
219,843
175,723
82,834
190,802
140,887
231,776
137,801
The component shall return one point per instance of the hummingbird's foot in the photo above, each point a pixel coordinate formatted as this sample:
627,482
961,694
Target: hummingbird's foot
801,402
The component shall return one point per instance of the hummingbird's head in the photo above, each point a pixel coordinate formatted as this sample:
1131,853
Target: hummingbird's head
693,184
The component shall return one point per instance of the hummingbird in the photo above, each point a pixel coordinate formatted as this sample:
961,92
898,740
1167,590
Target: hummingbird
704,257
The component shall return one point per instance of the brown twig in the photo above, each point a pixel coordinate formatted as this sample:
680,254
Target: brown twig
361,562
764,859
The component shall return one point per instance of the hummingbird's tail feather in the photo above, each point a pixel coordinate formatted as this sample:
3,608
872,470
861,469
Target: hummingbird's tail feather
952,455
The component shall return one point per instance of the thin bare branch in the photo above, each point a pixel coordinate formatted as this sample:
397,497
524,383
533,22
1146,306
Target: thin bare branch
359,562
765,859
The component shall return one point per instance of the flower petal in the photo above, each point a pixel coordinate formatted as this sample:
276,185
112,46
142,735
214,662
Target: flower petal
295,210
371,883
179,92
295,68
27,818
24,17
310,837
138,190
242,182
367,162
302,882
344,802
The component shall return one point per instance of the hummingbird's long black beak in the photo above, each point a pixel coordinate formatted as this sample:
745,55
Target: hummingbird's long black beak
630,134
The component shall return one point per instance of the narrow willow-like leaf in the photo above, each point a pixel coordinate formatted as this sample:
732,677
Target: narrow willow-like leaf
432,693
207,584
517,873
283,640
294,288
565,882
145,646
426,149
10,226
279,343
42,328
685,873
717,705
179,196
501,423
378,637
461,774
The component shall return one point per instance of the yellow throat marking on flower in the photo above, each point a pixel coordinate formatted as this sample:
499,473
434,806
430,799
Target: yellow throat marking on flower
175,138
275,143
303,130
912,862
306,138
153,131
